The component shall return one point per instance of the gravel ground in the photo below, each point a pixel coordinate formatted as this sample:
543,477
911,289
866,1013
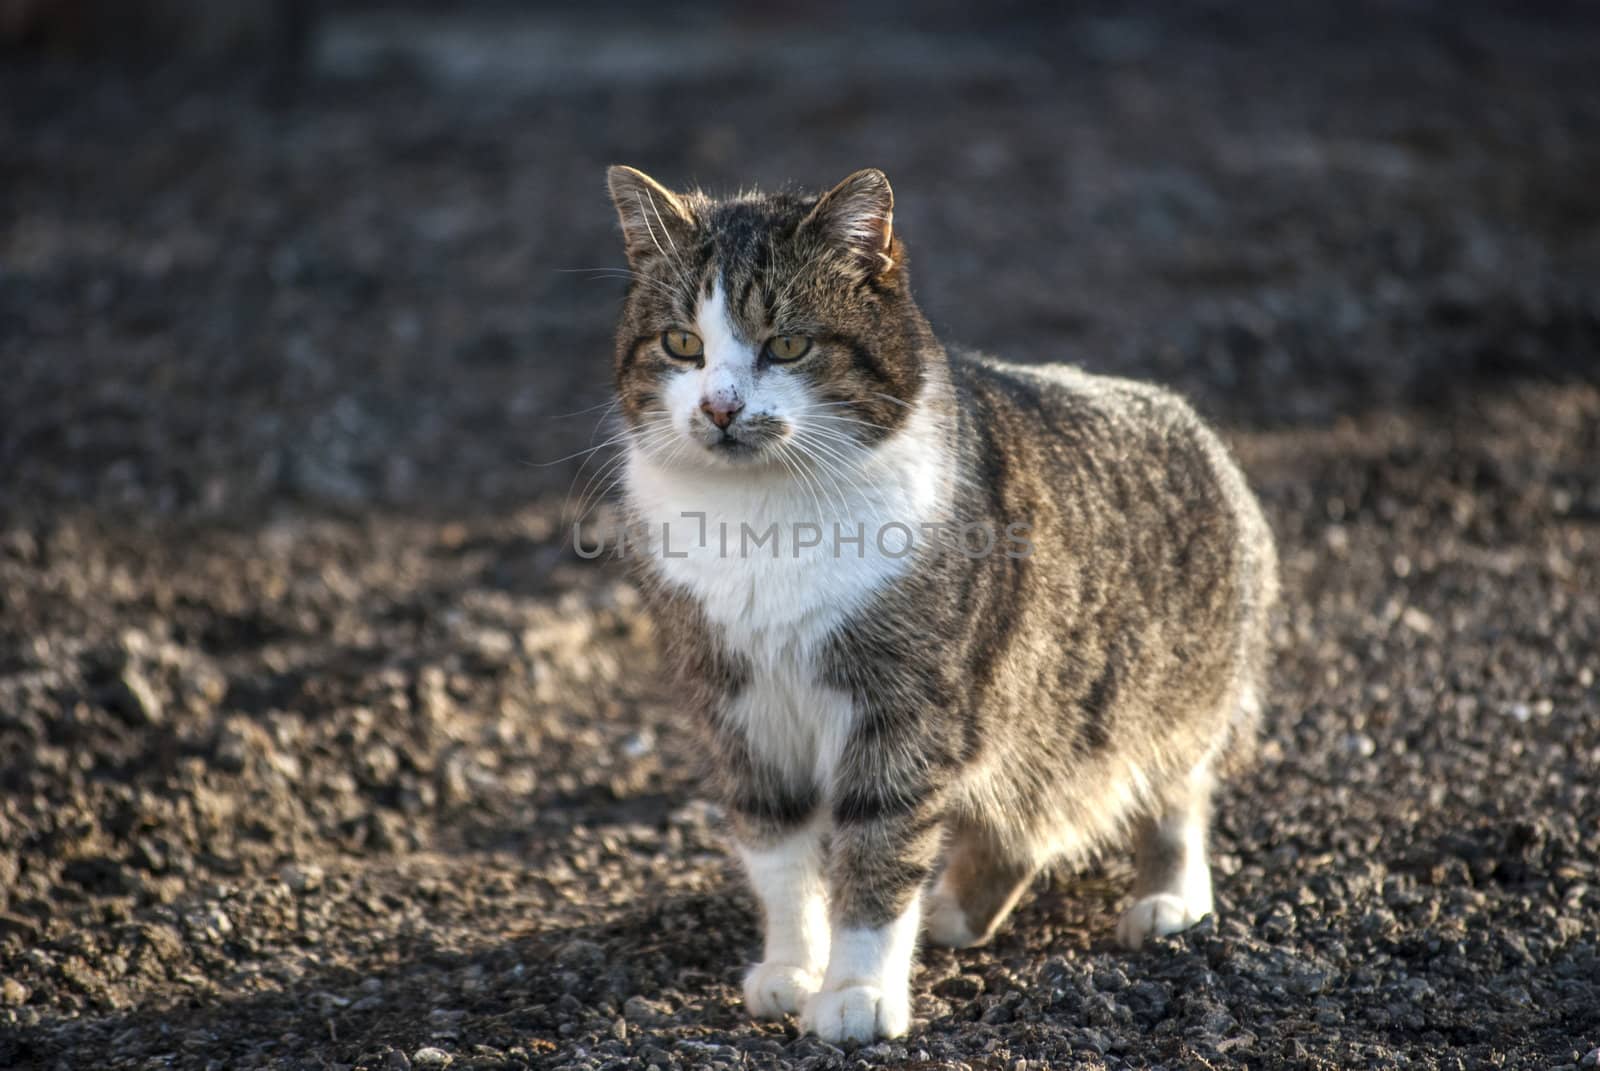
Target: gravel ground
319,748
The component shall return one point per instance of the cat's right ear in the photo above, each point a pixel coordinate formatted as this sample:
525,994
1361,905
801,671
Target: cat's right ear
654,219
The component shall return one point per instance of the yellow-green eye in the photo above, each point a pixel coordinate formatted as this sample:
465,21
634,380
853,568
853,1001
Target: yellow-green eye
788,347
684,344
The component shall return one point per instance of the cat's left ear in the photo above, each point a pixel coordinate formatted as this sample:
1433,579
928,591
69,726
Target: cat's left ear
858,216
654,219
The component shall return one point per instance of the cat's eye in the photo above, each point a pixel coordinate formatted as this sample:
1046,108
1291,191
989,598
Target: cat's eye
683,344
788,347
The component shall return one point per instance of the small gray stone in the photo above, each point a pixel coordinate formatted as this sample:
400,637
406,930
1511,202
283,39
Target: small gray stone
430,1057
585,955
303,878
640,1011
1005,1010
13,993
638,745
1110,980
134,700
959,987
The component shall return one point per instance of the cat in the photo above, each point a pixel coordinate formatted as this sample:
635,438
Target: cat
945,620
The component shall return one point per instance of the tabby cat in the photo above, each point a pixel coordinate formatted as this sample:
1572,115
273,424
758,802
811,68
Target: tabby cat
945,620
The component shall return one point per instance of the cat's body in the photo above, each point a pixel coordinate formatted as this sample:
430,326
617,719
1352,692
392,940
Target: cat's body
1010,614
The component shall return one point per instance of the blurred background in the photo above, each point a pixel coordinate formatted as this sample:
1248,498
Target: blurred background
338,240
313,728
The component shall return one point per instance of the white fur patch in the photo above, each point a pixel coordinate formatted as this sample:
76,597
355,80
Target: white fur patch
866,993
730,364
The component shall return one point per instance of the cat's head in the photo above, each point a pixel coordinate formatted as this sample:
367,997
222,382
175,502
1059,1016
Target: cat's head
766,328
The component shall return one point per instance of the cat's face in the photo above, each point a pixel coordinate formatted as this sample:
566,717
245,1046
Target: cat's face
764,330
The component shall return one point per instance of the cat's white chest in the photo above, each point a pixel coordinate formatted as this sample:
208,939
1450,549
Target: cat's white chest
737,542
760,564
777,605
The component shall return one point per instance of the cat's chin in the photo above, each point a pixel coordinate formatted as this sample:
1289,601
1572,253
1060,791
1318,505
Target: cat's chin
734,453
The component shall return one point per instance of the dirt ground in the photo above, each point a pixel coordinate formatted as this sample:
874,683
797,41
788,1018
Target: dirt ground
320,748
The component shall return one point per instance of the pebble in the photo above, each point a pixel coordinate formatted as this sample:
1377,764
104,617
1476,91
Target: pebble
1360,744
959,987
638,745
208,924
1110,980
642,1012
1417,621
303,878
581,954
429,1057
13,993
230,751
133,698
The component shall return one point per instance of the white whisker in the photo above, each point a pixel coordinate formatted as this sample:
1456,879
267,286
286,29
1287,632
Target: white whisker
625,274
646,429
814,462
612,404
832,470
835,461
683,278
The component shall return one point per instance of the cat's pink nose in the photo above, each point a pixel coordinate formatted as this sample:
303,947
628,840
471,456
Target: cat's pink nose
721,409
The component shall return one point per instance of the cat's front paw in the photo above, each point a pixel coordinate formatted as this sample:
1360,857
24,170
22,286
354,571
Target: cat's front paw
858,1013
773,990
1154,916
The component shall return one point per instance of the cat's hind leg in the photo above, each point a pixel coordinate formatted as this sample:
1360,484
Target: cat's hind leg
1172,881
982,881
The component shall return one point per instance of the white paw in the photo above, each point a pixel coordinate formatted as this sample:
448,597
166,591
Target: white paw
858,1013
1156,915
945,922
773,990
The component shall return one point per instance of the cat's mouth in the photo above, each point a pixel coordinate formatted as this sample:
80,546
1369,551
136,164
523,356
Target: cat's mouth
735,450
745,441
